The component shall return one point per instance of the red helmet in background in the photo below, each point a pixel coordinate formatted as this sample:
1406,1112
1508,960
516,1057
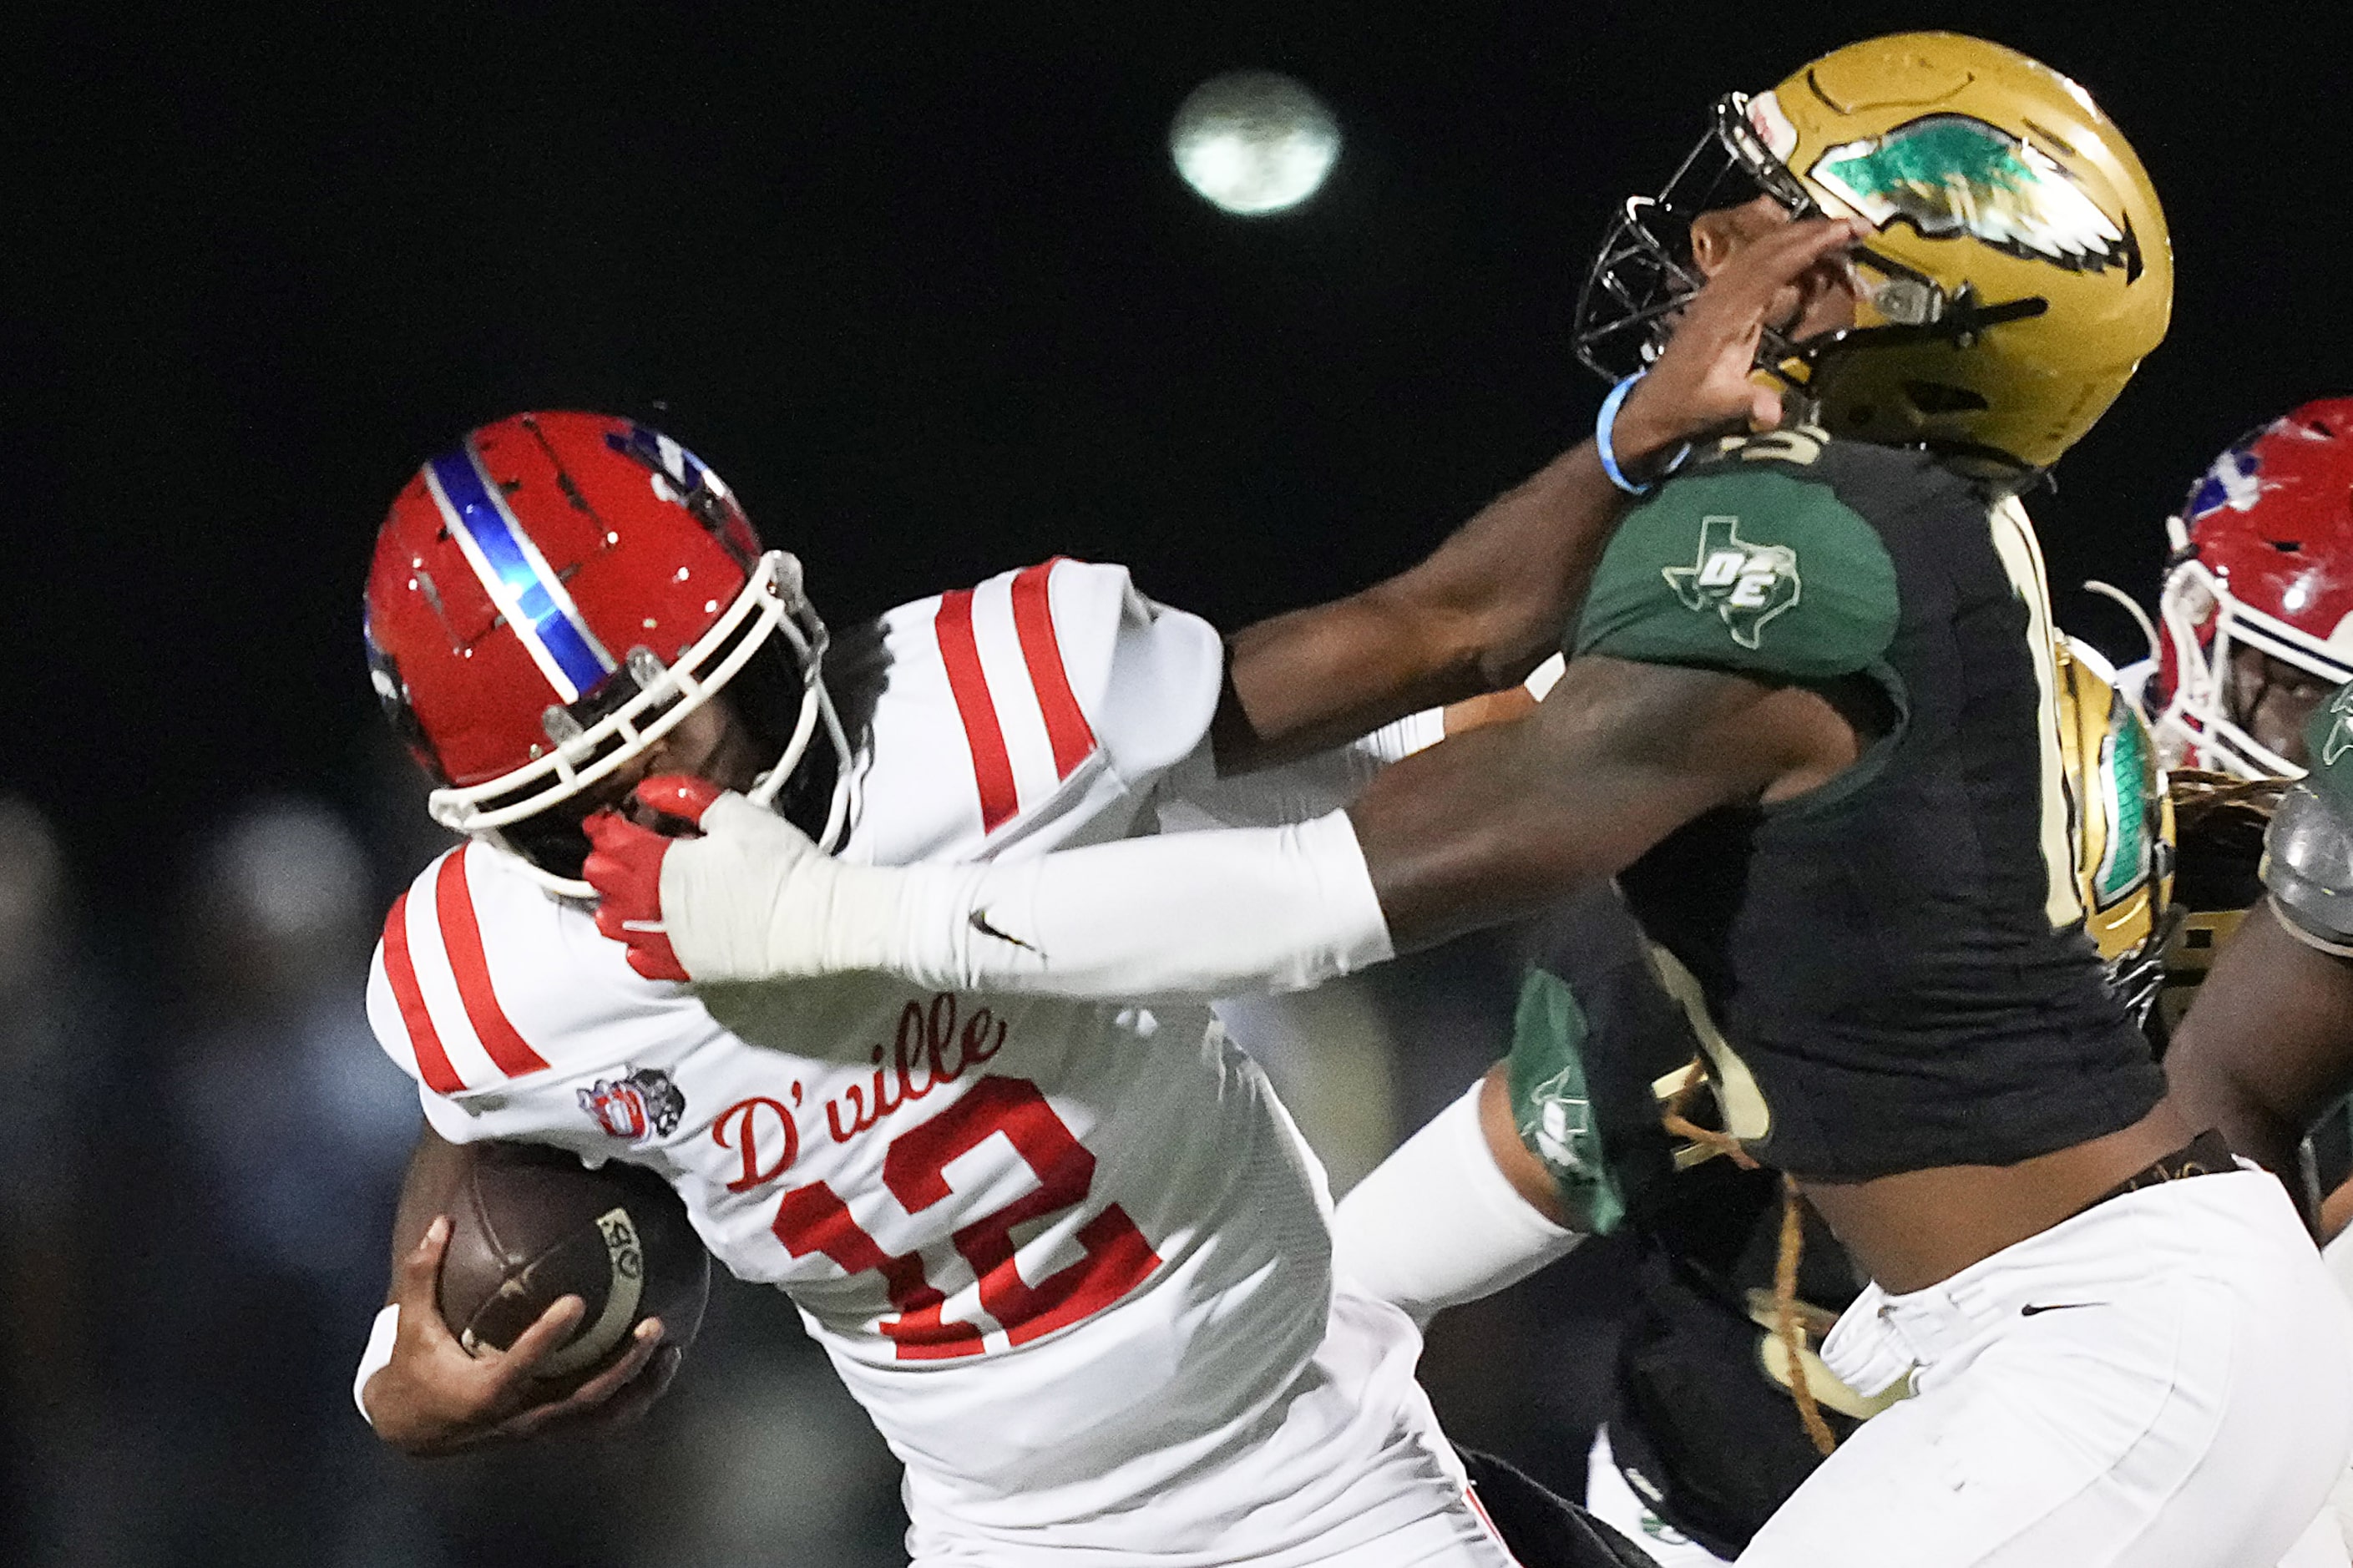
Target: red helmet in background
558,590
2263,559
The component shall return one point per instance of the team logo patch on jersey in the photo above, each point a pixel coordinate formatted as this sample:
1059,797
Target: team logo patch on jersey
1563,1133
1953,174
1552,1105
1746,585
642,1107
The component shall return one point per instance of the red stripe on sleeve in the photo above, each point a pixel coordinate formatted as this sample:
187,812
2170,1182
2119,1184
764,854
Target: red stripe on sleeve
1033,620
462,935
424,1040
992,769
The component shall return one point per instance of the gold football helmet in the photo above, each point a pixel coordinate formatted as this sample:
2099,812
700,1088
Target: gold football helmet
2122,824
2021,271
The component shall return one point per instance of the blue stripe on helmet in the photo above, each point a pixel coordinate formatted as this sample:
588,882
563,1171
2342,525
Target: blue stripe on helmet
547,615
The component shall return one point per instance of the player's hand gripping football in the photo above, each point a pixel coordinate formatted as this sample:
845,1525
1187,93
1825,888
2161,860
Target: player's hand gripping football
434,1397
732,891
1703,382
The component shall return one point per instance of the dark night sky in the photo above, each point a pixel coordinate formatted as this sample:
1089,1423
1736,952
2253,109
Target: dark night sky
927,292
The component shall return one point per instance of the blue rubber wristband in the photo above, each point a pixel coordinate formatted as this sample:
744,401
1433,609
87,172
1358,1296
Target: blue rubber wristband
1603,425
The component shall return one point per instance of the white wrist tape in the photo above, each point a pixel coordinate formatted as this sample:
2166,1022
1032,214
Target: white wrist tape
753,898
376,1358
1546,676
1199,915
1396,741
1438,1224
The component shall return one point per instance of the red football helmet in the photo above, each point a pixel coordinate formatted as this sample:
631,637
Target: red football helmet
2263,559
558,590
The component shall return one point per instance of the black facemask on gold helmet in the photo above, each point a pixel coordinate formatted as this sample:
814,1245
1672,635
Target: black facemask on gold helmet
2020,271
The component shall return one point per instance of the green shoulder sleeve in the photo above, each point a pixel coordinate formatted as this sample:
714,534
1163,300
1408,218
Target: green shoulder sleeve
2329,736
1754,570
1553,1108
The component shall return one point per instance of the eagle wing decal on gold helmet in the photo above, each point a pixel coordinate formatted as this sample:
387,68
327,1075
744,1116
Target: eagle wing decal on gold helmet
1954,174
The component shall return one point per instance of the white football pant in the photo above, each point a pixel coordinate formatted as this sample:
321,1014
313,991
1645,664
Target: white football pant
1610,1500
2164,1381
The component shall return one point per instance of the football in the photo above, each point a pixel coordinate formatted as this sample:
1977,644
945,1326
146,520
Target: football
531,1224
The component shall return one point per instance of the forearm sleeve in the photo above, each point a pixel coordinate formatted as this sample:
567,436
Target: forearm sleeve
1196,916
1200,915
1438,1224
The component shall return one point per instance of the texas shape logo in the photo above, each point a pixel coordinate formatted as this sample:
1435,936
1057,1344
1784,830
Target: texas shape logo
1746,585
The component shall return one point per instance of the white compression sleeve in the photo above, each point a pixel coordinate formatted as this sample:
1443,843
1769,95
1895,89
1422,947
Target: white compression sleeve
376,1358
1436,1224
1197,915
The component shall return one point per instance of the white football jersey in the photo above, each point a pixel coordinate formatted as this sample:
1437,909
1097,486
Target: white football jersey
1075,1259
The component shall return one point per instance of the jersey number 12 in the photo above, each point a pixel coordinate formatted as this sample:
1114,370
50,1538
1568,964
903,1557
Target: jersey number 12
814,1219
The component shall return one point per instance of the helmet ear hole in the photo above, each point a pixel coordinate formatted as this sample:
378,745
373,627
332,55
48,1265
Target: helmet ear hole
1934,397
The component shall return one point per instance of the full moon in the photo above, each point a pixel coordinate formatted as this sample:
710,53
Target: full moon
1253,143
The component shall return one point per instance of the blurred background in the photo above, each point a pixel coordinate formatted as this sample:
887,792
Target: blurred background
932,291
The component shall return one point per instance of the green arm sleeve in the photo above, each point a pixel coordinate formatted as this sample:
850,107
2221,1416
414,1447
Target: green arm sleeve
1553,1108
1754,570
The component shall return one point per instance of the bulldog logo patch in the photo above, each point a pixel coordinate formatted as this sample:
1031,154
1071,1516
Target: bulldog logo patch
640,1108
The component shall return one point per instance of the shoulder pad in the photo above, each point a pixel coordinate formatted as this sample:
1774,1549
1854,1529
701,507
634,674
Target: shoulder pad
2308,866
1743,565
482,980
1002,695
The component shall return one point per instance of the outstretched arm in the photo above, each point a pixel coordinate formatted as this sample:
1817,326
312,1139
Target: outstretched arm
1501,821
1490,603
1484,828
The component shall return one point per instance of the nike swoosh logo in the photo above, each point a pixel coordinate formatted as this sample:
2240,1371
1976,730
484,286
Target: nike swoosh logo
2031,1307
980,919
